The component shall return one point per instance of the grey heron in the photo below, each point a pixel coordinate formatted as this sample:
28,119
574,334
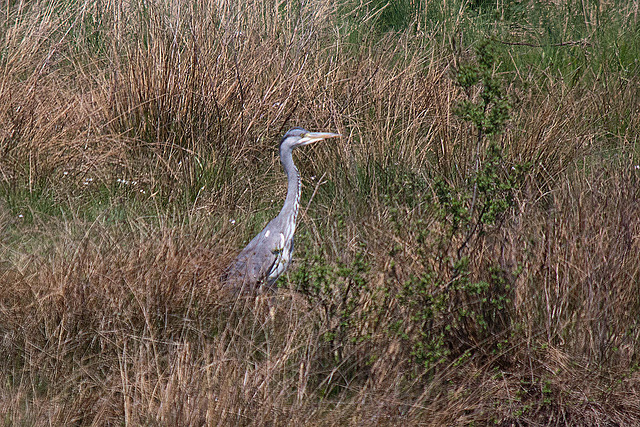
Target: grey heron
268,255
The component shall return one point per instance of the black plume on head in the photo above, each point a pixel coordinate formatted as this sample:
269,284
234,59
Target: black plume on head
296,131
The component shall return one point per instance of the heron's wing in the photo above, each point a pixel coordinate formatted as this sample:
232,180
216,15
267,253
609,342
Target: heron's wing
255,261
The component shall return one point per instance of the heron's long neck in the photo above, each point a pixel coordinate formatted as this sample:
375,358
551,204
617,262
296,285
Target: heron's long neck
292,202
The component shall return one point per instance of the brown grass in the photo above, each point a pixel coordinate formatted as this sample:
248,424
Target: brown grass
110,307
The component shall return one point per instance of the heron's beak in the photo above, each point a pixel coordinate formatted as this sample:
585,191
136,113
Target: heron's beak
310,137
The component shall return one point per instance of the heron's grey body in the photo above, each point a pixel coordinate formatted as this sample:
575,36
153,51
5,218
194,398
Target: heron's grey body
268,254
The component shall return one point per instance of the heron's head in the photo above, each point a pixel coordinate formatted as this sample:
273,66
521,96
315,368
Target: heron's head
297,137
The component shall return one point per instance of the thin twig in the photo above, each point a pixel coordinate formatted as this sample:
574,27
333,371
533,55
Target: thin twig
581,42
315,190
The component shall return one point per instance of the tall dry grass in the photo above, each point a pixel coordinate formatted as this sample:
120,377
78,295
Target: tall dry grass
138,155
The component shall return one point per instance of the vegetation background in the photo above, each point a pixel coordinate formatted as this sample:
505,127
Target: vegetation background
468,252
